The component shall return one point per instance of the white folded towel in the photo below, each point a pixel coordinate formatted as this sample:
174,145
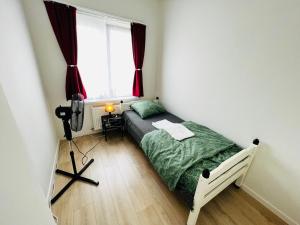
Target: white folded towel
176,130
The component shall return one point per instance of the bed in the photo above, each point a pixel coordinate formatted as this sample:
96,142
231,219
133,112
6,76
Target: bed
202,181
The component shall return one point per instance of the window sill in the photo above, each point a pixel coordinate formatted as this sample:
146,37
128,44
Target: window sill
110,100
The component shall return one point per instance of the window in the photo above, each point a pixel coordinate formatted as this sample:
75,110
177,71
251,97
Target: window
105,57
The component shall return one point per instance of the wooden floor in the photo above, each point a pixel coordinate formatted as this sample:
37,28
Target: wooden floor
131,193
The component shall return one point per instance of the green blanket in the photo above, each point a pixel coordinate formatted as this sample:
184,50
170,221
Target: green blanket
171,158
188,181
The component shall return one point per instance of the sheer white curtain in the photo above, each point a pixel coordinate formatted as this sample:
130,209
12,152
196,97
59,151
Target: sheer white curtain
104,57
121,61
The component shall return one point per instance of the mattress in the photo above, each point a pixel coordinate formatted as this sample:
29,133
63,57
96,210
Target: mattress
138,127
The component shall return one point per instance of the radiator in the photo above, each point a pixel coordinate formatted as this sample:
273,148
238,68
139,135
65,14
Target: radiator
97,112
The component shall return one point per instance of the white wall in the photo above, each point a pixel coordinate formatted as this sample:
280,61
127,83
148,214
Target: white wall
21,83
52,63
21,198
235,67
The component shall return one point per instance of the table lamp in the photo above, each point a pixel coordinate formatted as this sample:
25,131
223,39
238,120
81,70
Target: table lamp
109,107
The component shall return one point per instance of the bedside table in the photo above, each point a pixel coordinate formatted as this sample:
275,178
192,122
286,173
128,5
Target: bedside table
113,122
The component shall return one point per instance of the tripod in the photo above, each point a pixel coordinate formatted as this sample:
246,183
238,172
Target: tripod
75,176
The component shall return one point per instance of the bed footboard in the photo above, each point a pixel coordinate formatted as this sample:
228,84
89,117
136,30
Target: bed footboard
212,183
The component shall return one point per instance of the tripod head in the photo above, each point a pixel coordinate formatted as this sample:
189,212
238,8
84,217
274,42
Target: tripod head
72,117
63,113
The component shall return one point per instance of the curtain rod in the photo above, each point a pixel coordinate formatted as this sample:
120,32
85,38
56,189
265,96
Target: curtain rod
95,12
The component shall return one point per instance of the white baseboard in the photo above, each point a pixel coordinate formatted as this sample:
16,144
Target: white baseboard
268,205
51,183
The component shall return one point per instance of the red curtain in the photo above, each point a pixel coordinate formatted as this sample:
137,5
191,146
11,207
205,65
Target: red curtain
63,21
138,37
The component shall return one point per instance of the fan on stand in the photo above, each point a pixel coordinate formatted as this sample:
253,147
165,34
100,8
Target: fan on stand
72,118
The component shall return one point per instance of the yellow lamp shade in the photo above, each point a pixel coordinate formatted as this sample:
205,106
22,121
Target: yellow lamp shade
109,107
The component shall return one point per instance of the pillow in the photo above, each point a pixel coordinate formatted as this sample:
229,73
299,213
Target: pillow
147,108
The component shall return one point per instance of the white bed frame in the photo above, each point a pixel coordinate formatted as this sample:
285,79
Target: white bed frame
212,183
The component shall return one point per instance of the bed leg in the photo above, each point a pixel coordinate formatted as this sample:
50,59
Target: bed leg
238,183
199,196
193,216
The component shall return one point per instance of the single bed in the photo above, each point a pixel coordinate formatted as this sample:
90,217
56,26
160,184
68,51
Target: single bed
205,179
187,183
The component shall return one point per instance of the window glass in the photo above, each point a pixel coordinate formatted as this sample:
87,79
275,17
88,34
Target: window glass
105,58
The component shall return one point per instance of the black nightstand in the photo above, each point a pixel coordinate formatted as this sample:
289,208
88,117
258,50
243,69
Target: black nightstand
113,122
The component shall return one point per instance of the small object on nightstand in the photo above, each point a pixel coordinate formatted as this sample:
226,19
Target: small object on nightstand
109,107
112,122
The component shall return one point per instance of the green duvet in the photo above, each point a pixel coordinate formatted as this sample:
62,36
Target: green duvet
180,163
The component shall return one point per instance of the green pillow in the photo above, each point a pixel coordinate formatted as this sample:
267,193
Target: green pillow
147,108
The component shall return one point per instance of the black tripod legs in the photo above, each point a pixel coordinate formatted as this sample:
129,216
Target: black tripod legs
62,191
74,177
87,180
67,174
